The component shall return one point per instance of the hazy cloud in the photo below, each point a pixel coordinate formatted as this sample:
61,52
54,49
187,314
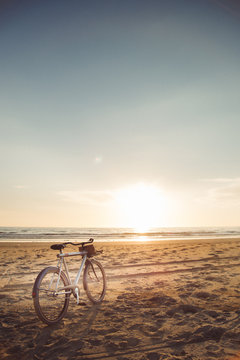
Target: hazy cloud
88,197
21,187
223,191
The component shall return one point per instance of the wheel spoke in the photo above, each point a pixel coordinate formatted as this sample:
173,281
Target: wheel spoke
50,304
95,281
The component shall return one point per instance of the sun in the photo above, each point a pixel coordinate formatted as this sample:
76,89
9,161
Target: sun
141,206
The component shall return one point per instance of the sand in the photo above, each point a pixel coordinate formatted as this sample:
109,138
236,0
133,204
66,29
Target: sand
165,300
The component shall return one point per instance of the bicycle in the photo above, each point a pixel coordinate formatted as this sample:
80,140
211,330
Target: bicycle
53,287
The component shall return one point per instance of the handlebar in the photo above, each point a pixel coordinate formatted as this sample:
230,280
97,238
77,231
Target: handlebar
79,244
63,245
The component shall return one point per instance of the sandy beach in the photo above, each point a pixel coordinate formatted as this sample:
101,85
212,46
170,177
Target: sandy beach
164,300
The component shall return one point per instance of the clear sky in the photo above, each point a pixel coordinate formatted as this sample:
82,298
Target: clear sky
120,113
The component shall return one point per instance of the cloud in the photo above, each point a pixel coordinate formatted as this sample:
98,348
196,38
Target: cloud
223,191
231,6
136,193
88,197
21,186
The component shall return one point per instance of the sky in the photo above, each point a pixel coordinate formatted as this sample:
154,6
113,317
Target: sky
119,113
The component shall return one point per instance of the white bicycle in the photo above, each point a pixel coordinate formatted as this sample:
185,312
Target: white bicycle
53,287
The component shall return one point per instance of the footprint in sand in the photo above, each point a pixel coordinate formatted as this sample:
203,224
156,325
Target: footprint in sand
204,295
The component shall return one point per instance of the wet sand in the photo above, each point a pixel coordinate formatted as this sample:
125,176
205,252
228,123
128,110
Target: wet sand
165,300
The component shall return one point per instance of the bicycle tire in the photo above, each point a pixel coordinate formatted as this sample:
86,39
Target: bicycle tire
94,281
50,308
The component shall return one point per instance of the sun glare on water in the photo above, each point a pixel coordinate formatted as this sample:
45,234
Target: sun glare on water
142,206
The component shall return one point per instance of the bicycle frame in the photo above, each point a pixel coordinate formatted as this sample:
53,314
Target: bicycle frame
53,286
73,287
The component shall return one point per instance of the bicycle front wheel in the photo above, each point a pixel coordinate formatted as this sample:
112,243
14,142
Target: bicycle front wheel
94,281
50,302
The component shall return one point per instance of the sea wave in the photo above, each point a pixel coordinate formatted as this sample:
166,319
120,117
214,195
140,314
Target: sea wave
114,234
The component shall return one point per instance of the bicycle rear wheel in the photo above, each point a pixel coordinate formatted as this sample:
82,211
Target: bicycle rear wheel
94,281
50,304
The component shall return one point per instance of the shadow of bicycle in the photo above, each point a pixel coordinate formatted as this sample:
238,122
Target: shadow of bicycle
66,336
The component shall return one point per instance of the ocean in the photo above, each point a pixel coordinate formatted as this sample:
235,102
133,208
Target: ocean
55,234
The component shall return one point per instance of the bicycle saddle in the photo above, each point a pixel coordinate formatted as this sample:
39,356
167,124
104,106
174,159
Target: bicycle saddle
57,246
